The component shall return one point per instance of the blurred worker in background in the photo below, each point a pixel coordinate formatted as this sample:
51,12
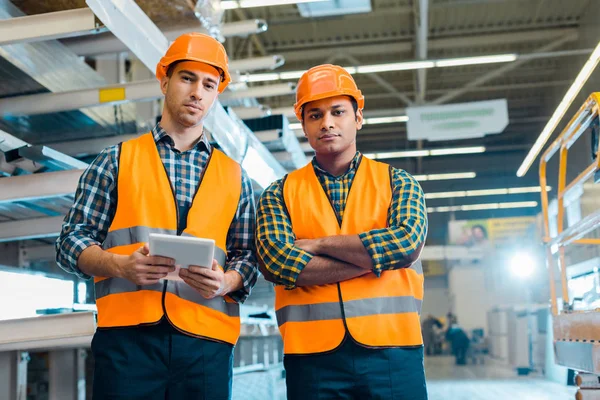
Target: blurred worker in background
429,334
459,342
341,238
160,339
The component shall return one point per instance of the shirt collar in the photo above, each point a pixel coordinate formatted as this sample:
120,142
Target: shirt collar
160,134
352,168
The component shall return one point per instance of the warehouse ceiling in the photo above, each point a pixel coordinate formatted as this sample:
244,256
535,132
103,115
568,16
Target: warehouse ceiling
388,34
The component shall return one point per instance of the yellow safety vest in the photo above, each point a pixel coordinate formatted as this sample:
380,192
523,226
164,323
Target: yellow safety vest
146,204
376,312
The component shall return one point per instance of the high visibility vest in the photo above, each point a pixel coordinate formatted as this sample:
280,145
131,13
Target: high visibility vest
375,312
146,204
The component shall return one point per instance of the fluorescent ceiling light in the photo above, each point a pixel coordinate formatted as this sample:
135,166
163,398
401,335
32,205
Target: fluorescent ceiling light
485,192
560,111
385,120
266,77
401,66
296,126
440,177
457,150
290,75
397,154
484,206
455,62
426,153
231,4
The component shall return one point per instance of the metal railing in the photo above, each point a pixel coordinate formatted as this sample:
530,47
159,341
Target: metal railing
574,234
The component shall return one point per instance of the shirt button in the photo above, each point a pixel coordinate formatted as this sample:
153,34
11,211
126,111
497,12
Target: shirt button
180,181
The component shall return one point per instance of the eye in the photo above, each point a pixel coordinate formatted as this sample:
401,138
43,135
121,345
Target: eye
209,86
338,112
314,116
186,78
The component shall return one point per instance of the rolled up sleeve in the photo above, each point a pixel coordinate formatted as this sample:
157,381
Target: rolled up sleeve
399,245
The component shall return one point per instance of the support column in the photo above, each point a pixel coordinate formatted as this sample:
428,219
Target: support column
67,374
13,375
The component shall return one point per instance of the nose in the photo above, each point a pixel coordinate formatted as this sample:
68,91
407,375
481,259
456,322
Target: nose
327,122
197,91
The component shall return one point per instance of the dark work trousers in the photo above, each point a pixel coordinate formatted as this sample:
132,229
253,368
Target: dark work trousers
157,362
358,373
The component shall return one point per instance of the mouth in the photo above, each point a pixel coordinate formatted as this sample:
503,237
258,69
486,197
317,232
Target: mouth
193,107
328,136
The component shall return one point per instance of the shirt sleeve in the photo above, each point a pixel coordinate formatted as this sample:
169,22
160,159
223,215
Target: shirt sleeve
87,222
277,255
240,242
399,245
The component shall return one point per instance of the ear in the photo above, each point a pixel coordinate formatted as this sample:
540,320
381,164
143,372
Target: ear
359,120
164,83
303,130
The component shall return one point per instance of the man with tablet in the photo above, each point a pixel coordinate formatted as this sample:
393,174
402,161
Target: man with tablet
341,238
163,338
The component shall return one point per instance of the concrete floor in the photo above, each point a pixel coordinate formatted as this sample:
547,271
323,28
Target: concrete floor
446,381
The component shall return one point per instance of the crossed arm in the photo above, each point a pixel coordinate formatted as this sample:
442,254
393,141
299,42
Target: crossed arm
285,260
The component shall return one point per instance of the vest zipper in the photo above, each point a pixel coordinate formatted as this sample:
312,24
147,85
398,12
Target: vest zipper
340,222
179,232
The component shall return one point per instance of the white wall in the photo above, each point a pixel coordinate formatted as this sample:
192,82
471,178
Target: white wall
469,296
436,300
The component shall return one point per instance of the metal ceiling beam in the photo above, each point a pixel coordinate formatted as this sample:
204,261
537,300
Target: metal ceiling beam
108,43
241,14
44,103
422,18
279,89
502,70
55,25
35,228
57,69
72,100
39,186
434,43
382,82
30,158
89,147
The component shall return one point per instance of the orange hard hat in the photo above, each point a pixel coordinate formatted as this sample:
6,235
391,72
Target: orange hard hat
196,47
325,81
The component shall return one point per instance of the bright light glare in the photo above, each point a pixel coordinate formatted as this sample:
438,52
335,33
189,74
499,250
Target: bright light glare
522,265
257,168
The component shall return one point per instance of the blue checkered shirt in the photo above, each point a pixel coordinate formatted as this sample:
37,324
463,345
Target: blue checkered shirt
95,205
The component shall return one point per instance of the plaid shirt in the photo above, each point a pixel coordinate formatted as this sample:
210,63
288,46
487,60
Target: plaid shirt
88,221
405,233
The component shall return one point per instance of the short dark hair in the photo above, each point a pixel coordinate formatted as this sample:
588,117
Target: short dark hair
352,100
171,68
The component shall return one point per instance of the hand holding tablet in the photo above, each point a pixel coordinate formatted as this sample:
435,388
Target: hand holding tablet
184,250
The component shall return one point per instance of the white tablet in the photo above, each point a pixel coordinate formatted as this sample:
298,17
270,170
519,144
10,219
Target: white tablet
184,249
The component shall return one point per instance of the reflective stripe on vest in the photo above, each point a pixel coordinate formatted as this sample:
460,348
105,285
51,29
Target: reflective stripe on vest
354,308
146,204
376,311
140,234
181,289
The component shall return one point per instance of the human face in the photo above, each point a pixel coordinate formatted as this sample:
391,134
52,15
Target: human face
190,92
330,125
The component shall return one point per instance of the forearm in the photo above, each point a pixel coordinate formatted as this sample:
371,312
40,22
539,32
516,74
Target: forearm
94,261
233,281
323,270
346,248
